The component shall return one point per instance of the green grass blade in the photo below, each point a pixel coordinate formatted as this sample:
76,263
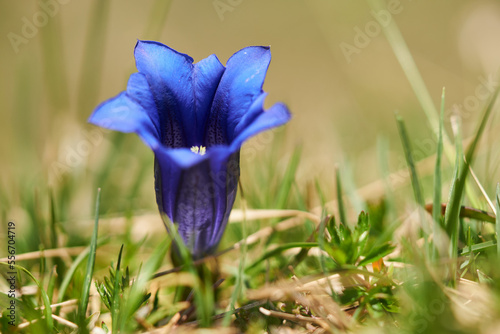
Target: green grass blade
71,271
84,299
278,250
45,298
157,19
454,196
350,189
136,293
53,63
340,200
454,205
43,264
53,221
383,158
321,244
436,206
436,201
478,247
139,180
23,309
106,168
417,190
456,124
405,59
238,287
497,222
52,283
115,306
288,179
95,46
376,254
321,194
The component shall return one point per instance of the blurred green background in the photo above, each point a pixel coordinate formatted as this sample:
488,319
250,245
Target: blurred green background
82,53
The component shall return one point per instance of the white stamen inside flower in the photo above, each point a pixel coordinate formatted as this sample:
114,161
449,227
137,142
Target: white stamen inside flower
201,150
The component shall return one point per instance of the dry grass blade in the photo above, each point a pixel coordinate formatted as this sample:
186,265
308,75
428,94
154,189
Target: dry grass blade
472,303
267,231
374,190
147,224
55,317
324,283
238,215
172,323
481,188
312,295
64,321
64,304
56,252
295,317
251,239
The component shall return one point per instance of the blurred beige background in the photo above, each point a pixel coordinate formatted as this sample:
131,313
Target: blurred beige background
340,106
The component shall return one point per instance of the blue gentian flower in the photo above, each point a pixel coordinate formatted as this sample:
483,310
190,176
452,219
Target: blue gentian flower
194,117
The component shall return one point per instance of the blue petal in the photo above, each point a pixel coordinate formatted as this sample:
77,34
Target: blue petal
138,91
198,198
168,74
121,113
240,84
183,92
167,177
194,208
173,105
225,169
206,78
253,112
169,166
182,157
257,120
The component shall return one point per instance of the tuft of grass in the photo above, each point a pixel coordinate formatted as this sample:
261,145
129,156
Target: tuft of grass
286,183
436,199
238,287
47,321
340,199
452,214
415,182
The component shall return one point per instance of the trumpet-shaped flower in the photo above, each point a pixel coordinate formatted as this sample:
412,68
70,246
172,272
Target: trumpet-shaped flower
195,117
